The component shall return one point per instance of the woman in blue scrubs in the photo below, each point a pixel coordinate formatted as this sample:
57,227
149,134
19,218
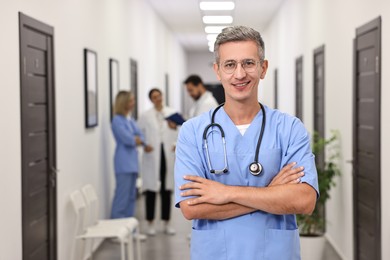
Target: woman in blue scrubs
127,137
239,214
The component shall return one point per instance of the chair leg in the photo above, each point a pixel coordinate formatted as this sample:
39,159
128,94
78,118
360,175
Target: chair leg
123,257
137,244
91,242
130,249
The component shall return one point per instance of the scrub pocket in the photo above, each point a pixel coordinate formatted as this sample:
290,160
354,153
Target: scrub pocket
208,244
282,244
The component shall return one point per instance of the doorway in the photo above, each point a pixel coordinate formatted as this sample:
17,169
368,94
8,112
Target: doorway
299,88
319,99
218,92
276,89
367,140
38,135
134,84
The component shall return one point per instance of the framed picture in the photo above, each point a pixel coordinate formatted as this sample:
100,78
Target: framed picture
166,89
134,85
91,88
114,84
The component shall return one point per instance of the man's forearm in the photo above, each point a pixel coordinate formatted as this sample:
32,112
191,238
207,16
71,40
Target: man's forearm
280,199
214,212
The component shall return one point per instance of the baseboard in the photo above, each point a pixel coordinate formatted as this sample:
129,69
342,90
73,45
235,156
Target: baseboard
335,247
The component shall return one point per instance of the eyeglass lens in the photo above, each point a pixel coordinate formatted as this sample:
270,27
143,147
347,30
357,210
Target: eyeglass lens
230,66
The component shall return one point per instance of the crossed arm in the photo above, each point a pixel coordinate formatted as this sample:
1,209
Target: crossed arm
284,195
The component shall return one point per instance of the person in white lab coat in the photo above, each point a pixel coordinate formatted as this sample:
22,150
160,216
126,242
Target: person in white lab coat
204,99
157,165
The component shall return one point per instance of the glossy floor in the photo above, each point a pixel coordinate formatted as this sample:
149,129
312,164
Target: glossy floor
168,247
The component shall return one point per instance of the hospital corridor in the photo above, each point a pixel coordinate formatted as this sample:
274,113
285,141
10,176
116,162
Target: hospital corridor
244,113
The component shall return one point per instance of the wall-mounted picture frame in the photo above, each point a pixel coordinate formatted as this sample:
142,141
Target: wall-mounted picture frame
114,83
166,89
134,85
91,88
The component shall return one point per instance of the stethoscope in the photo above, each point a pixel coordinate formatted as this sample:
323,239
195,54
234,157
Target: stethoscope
255,167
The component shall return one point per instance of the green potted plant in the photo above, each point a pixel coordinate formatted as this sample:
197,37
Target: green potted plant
313,226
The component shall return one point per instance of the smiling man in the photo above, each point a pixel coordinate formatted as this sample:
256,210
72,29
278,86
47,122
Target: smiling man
244,170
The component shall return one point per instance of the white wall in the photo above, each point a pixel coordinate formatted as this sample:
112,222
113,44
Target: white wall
201,63
299,27
121,29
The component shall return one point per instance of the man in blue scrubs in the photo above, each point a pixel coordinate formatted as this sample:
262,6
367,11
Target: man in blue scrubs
235,214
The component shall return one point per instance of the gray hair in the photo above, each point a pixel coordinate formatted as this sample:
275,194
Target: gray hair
239,33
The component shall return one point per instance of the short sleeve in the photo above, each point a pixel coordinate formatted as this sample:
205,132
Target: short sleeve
297,149
188,158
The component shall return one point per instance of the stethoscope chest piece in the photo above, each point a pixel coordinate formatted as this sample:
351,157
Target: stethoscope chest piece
255,168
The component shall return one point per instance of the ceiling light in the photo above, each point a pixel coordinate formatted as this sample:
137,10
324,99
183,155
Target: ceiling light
216,6
217,19
213,29
212,36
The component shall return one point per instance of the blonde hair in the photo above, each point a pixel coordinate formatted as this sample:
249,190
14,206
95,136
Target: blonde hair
121,102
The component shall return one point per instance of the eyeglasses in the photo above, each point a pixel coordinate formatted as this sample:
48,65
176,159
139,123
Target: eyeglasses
230,66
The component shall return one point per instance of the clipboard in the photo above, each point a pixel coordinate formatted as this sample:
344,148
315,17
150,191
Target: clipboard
176,118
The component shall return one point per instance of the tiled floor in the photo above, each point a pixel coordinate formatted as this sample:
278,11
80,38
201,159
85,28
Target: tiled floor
166,247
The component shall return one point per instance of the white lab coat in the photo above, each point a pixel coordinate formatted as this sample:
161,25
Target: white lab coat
203,104
150,162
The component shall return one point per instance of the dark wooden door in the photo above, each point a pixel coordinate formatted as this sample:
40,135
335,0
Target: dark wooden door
276,90
319,98
367,140
38,140
134,84
218,92
299,88
166,93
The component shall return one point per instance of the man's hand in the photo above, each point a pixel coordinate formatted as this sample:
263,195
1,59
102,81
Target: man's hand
208,191
148,148
172,125
288,175
138,140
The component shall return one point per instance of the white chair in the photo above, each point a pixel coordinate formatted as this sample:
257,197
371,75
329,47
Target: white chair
130,223
84,232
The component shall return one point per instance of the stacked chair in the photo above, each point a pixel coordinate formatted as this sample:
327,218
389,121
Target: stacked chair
89,227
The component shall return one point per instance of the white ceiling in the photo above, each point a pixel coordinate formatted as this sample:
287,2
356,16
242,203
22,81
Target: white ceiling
184,18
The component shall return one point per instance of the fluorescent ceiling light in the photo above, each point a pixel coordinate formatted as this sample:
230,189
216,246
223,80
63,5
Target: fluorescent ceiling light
212,37
217,19
213,29
205,6
211,48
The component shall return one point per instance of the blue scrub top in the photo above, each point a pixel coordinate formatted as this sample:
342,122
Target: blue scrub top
258,235
126,155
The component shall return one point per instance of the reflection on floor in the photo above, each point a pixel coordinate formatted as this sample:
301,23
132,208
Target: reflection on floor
166,247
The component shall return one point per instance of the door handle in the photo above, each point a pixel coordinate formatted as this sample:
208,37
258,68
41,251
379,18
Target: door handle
352,161
54,170
53,176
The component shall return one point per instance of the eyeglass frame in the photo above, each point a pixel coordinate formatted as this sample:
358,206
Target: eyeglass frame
242,66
